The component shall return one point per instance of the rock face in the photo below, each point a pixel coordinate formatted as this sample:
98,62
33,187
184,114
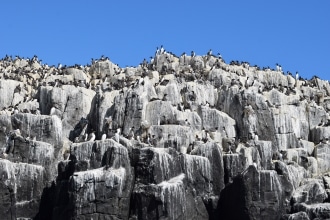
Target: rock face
187,137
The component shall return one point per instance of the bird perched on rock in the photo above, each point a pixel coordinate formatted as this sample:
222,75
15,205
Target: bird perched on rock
256,137
277,67
15,110
145,124
91,136
52,111
138,139
66,154
151,60
321,124
18,89
104,136
108,121
162,49
186,122
76,140
269,104
130,135
181,107
164,97
117,135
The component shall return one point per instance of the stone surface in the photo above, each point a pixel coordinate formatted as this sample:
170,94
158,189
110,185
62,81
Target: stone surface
188,137
314,211
310,192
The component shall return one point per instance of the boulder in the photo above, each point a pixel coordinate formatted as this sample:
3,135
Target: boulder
310,192
314,211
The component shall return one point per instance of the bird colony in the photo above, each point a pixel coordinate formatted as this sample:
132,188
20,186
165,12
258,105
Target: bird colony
177,137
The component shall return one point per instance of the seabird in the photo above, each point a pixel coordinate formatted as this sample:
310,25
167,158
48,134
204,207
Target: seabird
91,136
145,124
297,76
17,89
321,124
117,134
193,54
269,104
66,154
108,121
277,67
165,97
138,139
162,49
52,111
130,135
151,60
15,110
256,137
104,136
209,53
76,140
181,107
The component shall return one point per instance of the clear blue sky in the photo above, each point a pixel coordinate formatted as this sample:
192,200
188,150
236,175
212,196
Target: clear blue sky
295,34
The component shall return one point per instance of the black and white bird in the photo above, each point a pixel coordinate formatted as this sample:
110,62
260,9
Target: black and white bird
91,136
151,60
277,67
130,135
85,137
138,139
321,124
162,49
117,134
269,104
209,53
52,111
256,137
165,97
104,136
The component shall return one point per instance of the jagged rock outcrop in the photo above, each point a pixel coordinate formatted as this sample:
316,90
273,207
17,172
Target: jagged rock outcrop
187,137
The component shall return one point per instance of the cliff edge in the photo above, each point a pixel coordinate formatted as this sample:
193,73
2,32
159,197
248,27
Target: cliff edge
189,137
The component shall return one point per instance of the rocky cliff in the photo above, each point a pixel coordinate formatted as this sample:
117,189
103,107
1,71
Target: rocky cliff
189,137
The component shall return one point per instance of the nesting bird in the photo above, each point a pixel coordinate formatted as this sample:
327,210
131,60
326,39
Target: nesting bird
130,135
117,135
104,136
162,49
91,136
